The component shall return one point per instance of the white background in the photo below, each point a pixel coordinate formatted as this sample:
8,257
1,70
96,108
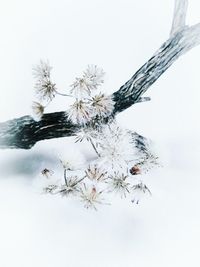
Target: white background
38,230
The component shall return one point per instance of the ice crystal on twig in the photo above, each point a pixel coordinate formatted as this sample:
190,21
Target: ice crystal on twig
38,110
44,86
91,196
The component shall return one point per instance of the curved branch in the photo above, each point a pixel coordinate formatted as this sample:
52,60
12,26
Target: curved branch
25,132
169,52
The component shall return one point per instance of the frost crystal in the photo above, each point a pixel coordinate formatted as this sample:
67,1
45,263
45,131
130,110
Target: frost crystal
45,88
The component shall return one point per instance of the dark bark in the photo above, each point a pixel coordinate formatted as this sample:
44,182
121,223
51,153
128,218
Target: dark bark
24,132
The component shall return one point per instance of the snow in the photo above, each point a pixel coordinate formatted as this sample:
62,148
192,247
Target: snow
42,230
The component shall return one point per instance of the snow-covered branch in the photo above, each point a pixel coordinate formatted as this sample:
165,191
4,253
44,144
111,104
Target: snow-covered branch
25,132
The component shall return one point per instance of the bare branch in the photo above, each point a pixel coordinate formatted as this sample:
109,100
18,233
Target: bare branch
143,99
179,18
169,52
25,132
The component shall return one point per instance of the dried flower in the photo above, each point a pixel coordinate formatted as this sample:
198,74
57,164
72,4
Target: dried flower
90,196
80,112
81,88
117,149
38,110
51,189
92,78
45,88
94,173
135,170
47,173
71,187
119,184
95,74
139,190
103,105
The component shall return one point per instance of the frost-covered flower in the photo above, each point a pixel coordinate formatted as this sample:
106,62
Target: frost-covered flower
90,196
94,173
38,110
81,88
117,148
91,79
71,186
139,190
42,70
45,88
103,105
80,112
118,183
95,74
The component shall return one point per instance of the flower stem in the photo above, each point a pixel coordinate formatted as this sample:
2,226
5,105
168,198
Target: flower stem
58,93
65,176
95,149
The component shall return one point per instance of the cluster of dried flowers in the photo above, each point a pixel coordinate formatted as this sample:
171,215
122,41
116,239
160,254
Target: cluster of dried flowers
118,164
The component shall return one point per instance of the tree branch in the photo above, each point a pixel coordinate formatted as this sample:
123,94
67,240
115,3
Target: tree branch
24,132
179,18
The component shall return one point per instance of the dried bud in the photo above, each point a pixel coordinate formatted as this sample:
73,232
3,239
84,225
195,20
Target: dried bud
38,110
135,170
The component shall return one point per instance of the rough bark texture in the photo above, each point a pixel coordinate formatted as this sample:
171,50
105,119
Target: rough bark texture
130,93
24,132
